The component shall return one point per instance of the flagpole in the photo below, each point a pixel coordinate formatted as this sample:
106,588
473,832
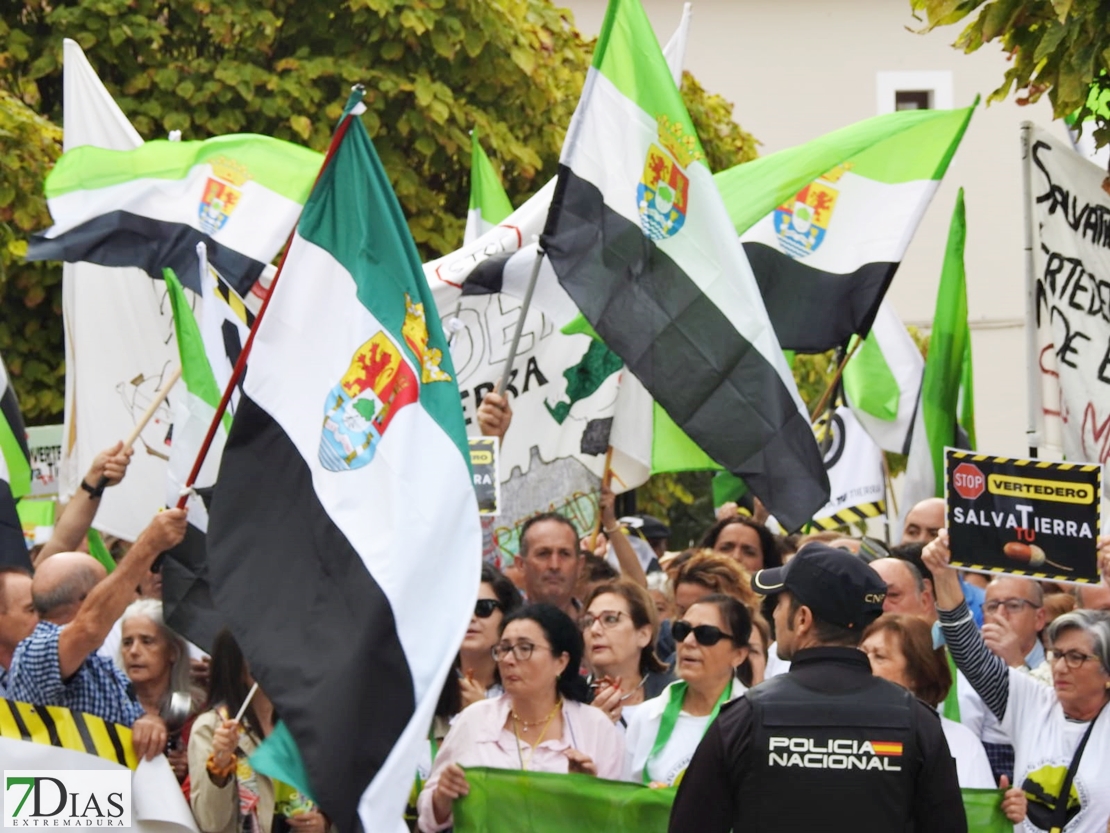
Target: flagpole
507,375
888,484
241,364
835,381
606,480
1033,363
148,414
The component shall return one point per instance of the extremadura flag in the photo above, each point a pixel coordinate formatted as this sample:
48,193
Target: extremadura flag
640,239
343,538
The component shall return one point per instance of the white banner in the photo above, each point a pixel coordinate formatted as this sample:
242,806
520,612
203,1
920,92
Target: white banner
854,462
119,338
1070,221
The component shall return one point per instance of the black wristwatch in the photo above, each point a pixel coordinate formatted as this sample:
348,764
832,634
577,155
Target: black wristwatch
94,491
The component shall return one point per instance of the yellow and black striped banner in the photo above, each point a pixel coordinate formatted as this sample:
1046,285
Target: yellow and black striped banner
851,515
65,729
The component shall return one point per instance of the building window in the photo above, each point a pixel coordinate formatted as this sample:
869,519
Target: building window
913,99
925,90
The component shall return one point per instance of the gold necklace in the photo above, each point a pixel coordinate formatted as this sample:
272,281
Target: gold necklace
527,724
532,746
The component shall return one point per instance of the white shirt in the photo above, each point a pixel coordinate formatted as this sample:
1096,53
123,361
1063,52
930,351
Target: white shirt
1044,744
775,665
672,760
973,769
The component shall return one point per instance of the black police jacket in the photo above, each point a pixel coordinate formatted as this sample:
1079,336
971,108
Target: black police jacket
826,747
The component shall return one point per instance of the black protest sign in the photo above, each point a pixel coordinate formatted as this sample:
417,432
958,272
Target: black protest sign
1023,517
487,482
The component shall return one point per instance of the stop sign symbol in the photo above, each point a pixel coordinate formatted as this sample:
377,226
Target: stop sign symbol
968,481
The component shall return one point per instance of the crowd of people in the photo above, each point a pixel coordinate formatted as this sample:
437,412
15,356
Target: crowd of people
611,656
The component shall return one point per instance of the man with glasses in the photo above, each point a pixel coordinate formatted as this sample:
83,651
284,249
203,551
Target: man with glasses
1013,618
874,754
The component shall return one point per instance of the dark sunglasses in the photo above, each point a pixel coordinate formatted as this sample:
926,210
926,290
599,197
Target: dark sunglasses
484,608
704,634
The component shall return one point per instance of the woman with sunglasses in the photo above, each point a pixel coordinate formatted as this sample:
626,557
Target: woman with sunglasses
497,598
540,724
620,626
662,735
1061,735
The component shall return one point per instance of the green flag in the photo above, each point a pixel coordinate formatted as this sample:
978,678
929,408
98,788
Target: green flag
946,395
99,551
508,801
489,204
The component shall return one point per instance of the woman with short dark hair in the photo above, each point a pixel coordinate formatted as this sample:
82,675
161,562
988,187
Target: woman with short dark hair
748,542
541,723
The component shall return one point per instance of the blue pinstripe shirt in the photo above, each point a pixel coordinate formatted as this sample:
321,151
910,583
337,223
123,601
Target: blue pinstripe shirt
98,687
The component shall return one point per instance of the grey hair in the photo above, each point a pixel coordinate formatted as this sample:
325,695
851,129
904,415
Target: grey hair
1034,585
180,671
77,583
911,568
1095,623
660,582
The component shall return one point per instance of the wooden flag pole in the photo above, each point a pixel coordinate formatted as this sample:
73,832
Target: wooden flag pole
606,480
241,363
508,374
835,381
148,414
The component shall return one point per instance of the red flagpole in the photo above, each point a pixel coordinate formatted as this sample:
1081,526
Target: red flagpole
241,363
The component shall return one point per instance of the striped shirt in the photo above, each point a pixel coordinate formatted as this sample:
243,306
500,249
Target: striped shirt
97,687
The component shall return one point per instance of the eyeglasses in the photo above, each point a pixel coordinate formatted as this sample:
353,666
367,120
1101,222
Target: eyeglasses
608,619
1013,606
521,650
704,634
484,608
1073,659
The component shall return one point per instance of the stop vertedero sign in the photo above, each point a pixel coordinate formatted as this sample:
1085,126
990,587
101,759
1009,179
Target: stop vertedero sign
968,481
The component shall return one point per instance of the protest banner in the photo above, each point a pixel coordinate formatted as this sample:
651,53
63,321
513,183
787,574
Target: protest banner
1023,517
487,479
507,801
1068,236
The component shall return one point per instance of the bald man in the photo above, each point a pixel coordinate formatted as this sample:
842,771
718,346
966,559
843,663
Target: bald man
924,521
77,604
17,616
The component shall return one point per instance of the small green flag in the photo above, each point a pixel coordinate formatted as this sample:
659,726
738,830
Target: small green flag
489,204
100,552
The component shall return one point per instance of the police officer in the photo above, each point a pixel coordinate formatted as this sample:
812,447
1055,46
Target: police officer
826,746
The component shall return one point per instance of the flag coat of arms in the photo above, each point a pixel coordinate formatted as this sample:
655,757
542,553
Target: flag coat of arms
640,239
343,538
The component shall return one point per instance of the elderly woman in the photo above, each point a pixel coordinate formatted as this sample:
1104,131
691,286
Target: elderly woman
156,661
541,723
226,794
900,648
749,543
620,627
1061,735
662,735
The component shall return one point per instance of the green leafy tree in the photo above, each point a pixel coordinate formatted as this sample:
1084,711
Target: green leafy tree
433,69
1058,47
30,293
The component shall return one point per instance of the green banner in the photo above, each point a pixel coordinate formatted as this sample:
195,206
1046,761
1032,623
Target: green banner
508,801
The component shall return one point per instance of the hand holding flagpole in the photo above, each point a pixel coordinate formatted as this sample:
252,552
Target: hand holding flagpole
148,414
